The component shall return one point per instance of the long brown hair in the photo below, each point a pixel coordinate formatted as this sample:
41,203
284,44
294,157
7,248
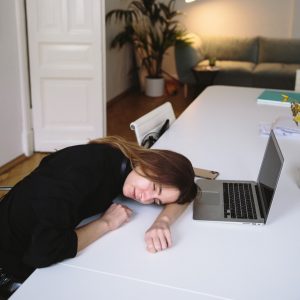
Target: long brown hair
165,167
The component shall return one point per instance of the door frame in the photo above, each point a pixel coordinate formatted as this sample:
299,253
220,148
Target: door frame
23,56
27,130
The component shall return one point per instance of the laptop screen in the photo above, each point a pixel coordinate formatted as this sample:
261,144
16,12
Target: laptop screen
269,172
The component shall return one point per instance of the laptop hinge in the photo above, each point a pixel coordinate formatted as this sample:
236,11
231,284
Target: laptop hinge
259,200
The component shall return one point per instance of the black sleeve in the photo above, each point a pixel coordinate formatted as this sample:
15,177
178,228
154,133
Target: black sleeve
50,245
54,238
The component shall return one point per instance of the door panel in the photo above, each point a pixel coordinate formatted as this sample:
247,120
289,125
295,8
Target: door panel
66,49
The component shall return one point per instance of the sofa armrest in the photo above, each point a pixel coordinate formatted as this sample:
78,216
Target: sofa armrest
186,57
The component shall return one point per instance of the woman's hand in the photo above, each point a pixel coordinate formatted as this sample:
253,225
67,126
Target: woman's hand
116,215
158,236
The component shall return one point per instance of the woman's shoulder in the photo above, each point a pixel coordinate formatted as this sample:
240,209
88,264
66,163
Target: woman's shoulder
84,152
84,148
93,149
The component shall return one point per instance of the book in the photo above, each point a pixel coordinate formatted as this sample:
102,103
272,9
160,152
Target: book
281,98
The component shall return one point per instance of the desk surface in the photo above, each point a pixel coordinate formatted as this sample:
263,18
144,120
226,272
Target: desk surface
219,130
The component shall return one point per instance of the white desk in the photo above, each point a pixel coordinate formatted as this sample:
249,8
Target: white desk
208,260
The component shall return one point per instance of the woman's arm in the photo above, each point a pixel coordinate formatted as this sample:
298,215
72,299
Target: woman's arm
158,236
113,218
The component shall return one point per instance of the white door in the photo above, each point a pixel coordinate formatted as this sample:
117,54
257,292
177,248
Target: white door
67,71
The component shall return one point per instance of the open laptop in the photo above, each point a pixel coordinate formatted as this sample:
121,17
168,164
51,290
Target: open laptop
241,201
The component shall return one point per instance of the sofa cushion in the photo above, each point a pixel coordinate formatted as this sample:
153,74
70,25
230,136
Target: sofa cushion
279,50
233,72
229,48
275,75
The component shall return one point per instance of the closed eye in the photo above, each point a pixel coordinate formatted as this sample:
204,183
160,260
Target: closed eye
159,188
157,201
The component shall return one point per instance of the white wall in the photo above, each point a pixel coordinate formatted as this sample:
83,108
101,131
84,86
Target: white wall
271,18
118,61
10,88
296,19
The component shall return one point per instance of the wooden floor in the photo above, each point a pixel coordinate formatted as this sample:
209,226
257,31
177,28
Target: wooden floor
14,175
134,105
120,113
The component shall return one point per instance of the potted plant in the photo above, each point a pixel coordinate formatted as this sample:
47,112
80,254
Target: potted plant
151,28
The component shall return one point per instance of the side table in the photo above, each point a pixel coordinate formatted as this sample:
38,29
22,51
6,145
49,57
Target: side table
204,75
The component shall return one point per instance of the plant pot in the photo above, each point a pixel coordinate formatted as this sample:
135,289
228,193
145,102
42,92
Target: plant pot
154,87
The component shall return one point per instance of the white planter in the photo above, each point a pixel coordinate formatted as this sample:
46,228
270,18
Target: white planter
154,87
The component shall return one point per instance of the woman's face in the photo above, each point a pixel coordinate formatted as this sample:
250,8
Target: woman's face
143,190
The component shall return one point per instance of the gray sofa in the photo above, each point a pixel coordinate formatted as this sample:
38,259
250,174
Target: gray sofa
253,62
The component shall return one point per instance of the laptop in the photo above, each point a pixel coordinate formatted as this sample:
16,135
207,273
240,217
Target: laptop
241,201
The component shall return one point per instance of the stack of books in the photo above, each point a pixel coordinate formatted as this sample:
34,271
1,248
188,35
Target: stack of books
281,98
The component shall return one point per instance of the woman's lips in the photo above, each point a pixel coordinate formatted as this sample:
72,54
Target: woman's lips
135,197
133,194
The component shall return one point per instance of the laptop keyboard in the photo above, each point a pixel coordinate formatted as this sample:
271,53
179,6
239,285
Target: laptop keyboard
238,201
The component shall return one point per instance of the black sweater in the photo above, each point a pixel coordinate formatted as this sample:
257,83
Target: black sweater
39,215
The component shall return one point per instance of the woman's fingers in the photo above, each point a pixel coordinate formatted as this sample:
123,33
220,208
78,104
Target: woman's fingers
156,244
116,215
168,238
158,238
150,247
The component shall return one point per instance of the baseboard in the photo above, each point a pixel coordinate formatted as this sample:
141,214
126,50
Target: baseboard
11,164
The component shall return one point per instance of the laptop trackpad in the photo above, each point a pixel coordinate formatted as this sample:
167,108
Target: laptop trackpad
210,198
